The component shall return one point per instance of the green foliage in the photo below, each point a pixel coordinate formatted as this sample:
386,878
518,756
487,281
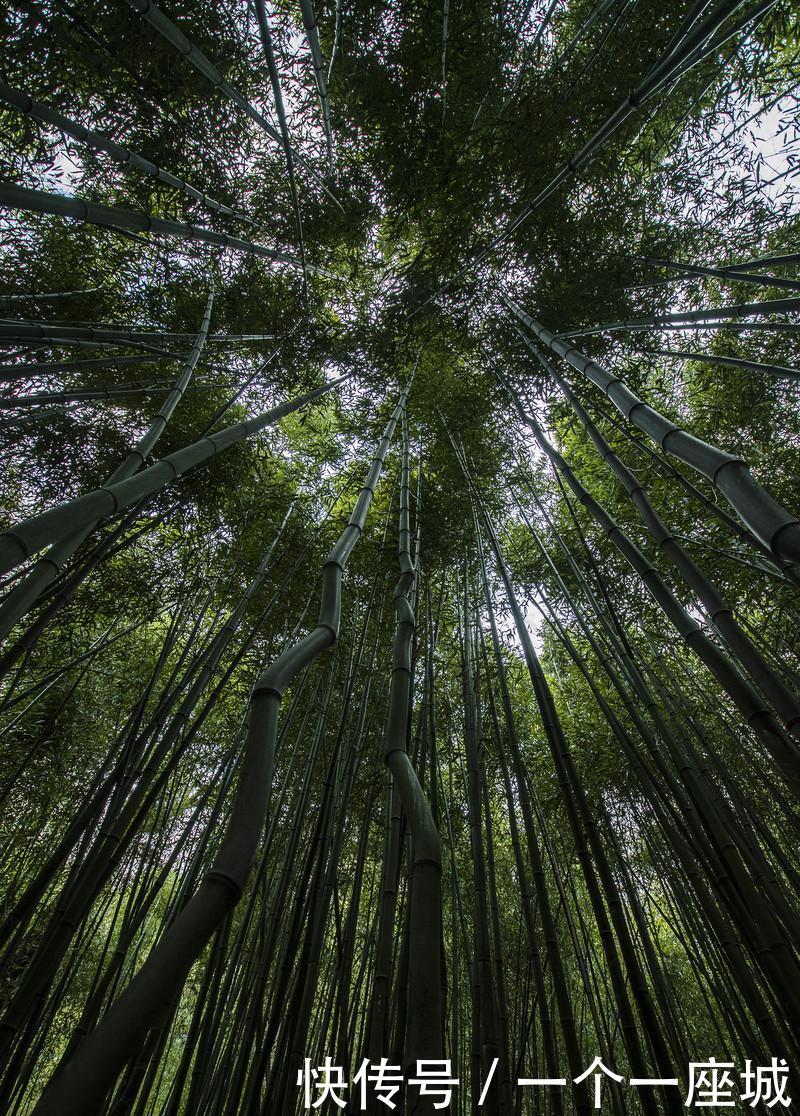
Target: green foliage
431,162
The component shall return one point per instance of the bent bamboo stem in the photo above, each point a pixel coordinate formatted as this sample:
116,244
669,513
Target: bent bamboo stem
80,1089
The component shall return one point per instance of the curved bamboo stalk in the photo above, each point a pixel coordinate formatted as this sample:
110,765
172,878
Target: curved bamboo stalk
145,777
328,845
765,517
181,724
80,1089
26,538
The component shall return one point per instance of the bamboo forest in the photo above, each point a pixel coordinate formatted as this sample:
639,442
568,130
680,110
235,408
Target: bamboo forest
399,557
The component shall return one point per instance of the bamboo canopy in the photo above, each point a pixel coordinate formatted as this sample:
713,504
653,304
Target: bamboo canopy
399,672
